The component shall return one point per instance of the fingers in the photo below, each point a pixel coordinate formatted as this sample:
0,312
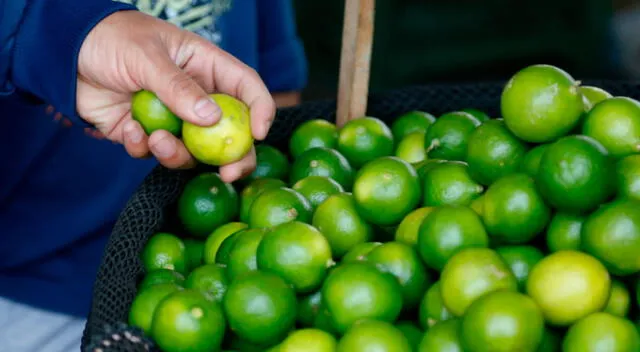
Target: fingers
170,151
135,140
239,169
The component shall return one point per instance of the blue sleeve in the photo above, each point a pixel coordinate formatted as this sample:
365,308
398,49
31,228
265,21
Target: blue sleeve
282,64
40,41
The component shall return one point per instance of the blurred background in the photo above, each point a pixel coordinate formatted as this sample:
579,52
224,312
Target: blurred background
433,41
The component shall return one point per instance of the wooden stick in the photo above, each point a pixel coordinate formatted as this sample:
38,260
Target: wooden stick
355,60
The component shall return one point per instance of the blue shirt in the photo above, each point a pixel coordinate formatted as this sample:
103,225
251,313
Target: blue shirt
62,190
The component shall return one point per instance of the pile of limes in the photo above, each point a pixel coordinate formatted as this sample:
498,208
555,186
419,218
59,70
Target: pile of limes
457,233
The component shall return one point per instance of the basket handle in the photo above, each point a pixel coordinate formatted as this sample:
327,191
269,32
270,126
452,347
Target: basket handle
355,60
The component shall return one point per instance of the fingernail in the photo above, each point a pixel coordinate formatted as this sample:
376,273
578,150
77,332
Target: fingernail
164,148
133,133
207,110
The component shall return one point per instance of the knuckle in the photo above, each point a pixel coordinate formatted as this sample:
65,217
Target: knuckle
180,84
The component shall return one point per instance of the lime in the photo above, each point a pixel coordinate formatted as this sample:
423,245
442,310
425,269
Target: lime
270,163
215,239
325,322
385,190
243,252
432,309
541,103
407,231
424,166
187,321
411,148
316,189
312,134
612,234
594,95
222,256
225,142
493,152
402,261
279,205
322,162
308,340
531,162
359,252
615,124
260,307
209,278
410,122
619,299
164,251
373,335
478,205
358,291
161,276
575,174
478,114
308,308
502,321
443,337
252,191
146,302
564,231
602,332
628,177
153,115
448,137
364,139
206,203
195,253
411,332
297,252
449,183
520,259
472,273
445,231
568,285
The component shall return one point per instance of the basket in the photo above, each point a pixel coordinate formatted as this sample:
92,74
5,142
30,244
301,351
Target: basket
146,212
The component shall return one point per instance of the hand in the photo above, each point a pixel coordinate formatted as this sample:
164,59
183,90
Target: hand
129,51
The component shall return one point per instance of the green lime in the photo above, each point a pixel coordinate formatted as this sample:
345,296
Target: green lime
628,177
270,163
252,191
364,139
215,239
478,114
187,321
568,285
502,321
161,276
308,308
225,142
446,230
297,252
520,259
619,300
358,291
373,335
448,137
576,174
411,148
195,253
470,274
477,205
531,162
316,189
432,309
541,103
308,340
385,190
206,203
222,256
243,253
325,322
424,166
164,251
407,231
615,124
410,122
209,278
449,183
443,337
153,115
339,221
312,134
594,95
276,206
493,152
260,307
403,262
513,211
411,332
146,302
612,234
359,252
564,231
322,162
602,332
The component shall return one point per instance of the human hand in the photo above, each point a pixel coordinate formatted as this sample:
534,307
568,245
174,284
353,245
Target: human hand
129,51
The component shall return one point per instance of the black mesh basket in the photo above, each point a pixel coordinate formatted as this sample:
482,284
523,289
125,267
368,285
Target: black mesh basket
144,214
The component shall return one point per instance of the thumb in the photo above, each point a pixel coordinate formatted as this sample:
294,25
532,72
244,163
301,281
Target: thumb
181,93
